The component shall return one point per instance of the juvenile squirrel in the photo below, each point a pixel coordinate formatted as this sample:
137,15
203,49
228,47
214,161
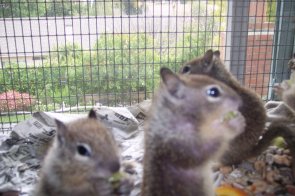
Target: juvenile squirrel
280,110
190,123
284,123
291,66
291,62
252,108
83,160
286,92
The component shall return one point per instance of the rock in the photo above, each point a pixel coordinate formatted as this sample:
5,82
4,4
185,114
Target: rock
279,151
282,160
287,175
269,174
287,151
259,166
272,176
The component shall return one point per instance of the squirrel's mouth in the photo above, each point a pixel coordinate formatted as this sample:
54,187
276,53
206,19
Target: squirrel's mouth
230,115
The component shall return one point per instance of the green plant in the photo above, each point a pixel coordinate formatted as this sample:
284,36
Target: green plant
123,63
117,63
271,10
14,118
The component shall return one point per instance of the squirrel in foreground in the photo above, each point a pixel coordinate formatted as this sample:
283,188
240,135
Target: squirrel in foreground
83,160
191,120
248,144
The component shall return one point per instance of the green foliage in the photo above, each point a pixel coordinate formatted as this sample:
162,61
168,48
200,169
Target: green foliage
12,118
125,60
271,10
49,8
65,8
21,8
119,63
132,6
104,8
116,64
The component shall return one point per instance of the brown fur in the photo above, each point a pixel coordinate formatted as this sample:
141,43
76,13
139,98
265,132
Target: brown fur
291,63
186,129
283,119
252,109
68,172
285,109
288,96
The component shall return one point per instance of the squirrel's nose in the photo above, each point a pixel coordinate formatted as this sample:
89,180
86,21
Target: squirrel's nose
114,166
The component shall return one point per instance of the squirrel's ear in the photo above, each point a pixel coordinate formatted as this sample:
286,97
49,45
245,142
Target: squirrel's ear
216,54
207,61
61,131
92,114
208,57
171,80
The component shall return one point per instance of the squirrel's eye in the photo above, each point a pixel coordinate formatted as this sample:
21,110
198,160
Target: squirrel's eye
213,92
83,150
186,69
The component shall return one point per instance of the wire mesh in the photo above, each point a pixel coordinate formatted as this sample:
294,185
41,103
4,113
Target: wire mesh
68,55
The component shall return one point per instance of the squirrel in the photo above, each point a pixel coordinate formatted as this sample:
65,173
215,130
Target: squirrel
83,160
280,110
286,92
256,137
190,123
252,108
288,96
291,64
284,119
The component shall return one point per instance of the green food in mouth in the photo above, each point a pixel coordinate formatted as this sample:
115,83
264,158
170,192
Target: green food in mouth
115,179
230,115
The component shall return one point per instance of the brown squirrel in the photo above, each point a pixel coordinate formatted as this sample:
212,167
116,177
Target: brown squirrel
284,123
288,96
83,160
252,108
285,109
190,123
254,139
291,63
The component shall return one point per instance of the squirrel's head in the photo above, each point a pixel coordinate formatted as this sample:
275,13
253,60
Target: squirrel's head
88,145
197,89
209,64
193,112
193,98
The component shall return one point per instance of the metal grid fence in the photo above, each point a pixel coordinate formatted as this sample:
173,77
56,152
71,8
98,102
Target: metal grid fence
68,55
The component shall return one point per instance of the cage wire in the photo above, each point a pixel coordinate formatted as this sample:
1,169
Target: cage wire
68,55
